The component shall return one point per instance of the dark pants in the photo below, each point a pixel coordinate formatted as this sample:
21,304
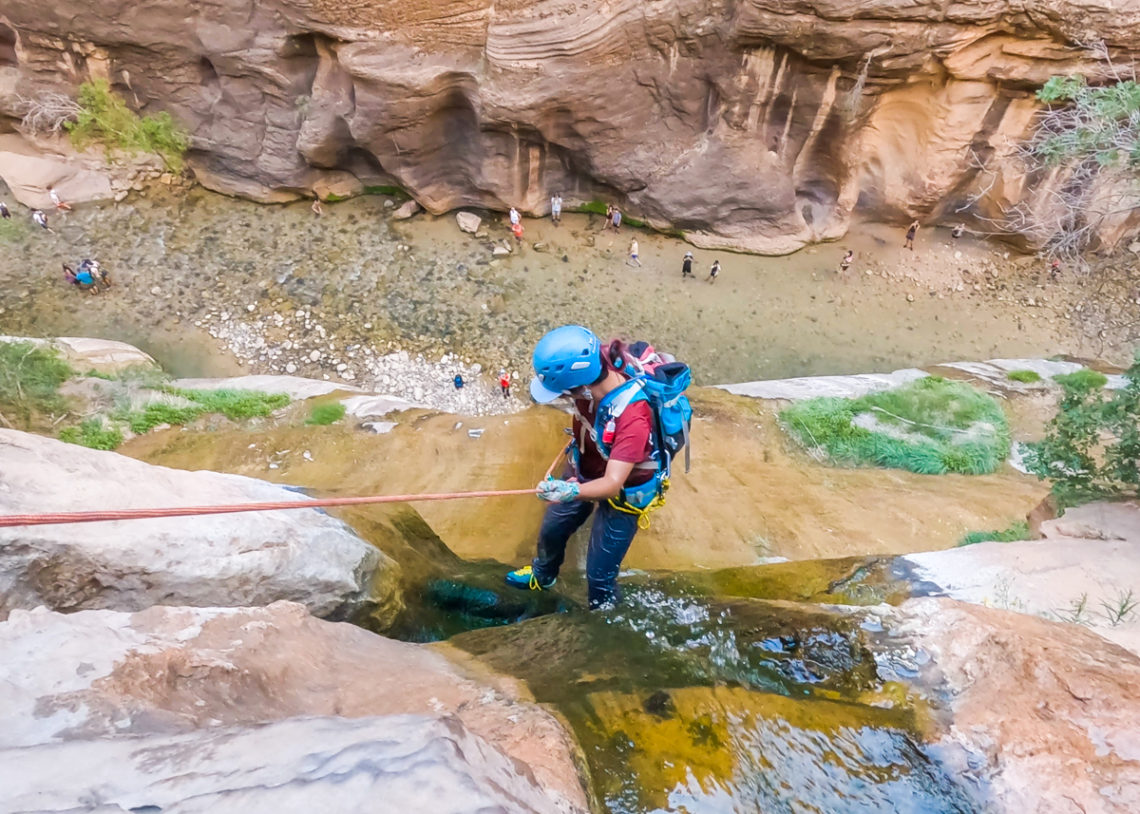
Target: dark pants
609,541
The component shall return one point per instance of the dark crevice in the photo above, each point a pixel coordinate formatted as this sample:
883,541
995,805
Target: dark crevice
8,57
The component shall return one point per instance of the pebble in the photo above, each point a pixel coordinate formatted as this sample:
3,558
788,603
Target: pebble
315,356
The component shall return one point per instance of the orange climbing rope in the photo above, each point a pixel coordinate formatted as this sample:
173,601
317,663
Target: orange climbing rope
55,518
184,511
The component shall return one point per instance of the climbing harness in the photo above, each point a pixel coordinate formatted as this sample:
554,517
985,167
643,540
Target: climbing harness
658,500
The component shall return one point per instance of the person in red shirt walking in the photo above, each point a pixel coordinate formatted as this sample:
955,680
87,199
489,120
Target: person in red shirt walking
612,456
505,383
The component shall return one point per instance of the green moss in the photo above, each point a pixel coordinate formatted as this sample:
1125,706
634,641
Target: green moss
325,414
104,118
30,376
393,191
1082,380
1025,376
1016,531
591,208
332,197
92,434
844,581
931,426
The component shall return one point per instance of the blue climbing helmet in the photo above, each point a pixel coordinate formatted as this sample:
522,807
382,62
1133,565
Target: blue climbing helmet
565,358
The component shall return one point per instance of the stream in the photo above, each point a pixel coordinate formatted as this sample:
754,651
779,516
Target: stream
213,285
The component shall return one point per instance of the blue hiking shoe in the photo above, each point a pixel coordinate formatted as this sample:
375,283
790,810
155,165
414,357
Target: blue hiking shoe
524,579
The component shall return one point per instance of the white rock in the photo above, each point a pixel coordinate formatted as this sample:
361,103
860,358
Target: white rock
296,387
235,559
315,356
407,210
103,355
468,221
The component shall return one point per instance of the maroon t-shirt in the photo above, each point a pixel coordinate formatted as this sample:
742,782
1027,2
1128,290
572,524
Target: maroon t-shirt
631,441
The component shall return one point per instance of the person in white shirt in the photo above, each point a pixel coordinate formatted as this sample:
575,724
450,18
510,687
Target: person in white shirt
556,208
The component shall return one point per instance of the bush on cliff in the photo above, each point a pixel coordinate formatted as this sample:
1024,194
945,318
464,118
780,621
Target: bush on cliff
1087,139
1091,447
931,426
104,118
30,376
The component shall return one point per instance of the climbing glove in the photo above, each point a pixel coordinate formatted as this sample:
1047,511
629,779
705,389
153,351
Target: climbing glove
557,491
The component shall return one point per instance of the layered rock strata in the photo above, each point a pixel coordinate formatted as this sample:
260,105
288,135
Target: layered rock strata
759,125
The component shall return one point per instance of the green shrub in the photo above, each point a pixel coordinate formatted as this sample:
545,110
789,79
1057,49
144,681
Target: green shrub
1025,376
1091,447
156,414
1083,379
1016,531
234,404
942,426
30,376
92,434
325,414
104,118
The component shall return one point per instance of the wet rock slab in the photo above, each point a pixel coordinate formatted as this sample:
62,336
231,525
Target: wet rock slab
261,709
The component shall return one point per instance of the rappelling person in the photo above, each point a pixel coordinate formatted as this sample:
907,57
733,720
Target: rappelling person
630,418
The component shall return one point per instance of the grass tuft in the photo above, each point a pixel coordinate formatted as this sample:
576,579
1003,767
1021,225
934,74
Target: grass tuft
324,414
931,426
1082,380
235,405
1024,376
1017,531
92,434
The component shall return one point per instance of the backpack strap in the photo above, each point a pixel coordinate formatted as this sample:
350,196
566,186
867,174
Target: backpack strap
629,392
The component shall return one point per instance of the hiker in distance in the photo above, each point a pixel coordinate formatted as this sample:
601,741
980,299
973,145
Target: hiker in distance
630,418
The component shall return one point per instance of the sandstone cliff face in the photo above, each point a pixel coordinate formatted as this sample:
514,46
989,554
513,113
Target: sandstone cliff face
755,124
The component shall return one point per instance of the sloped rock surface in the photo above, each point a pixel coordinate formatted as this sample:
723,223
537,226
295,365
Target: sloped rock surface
1085,570
225,560
1051,711
760,125
255,709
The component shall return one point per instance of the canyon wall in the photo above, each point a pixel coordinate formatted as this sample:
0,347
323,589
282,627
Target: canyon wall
754,124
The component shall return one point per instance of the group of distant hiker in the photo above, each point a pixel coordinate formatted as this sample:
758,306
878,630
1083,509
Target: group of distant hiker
90,276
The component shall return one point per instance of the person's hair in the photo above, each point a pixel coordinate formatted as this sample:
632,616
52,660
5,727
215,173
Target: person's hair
614,357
